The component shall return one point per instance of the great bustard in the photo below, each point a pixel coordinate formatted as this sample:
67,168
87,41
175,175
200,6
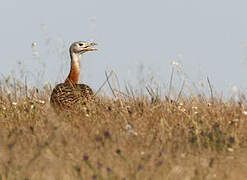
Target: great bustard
70,94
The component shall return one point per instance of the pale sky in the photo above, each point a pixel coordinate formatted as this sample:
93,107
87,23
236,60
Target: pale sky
209,38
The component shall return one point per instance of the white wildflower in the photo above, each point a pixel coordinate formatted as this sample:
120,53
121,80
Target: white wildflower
177,65
41,101
234,89
129,128
195,107
34,44
245,112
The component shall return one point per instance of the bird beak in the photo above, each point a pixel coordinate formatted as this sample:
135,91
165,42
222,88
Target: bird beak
89,45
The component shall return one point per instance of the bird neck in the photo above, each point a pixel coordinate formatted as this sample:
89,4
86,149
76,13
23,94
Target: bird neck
74,69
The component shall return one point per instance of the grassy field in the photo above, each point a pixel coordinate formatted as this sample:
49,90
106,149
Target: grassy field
128,137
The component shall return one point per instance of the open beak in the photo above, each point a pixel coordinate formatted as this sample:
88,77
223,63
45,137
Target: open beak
89,45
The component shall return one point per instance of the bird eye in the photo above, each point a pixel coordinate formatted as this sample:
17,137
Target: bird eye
80,44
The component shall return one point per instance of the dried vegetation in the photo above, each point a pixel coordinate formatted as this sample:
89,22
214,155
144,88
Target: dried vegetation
127,137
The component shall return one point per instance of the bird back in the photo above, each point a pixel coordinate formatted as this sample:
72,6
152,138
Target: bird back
70,95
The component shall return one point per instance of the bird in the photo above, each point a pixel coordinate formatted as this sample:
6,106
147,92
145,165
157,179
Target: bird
71,95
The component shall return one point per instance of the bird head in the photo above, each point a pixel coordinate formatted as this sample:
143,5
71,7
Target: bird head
81,47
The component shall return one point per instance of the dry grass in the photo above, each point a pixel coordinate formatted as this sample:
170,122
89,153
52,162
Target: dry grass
121,138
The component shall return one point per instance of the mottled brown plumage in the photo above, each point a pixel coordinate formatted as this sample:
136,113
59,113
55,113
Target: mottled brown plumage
70,95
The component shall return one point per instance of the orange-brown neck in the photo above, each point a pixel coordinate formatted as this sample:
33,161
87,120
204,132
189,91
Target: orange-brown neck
74,70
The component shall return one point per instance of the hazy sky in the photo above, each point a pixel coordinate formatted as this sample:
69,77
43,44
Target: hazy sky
209,38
